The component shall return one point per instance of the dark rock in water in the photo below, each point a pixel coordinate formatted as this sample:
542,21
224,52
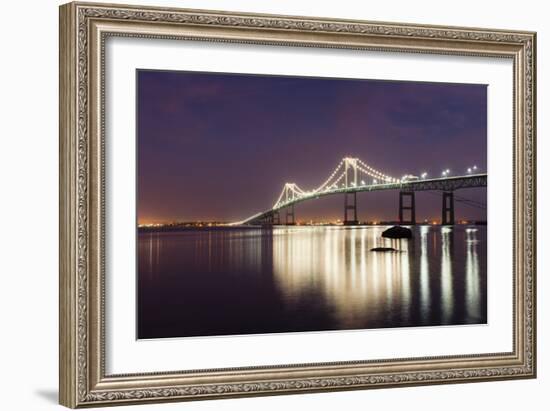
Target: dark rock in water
397,232
383,249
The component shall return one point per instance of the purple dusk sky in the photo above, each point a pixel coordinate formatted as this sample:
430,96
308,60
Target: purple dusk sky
221,146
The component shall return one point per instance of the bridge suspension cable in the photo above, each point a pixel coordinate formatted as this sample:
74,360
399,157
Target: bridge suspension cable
359,172
328,180
375,173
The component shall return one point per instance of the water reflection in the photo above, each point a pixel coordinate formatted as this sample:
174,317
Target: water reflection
447,292
473,283
338,264
240,281
425,297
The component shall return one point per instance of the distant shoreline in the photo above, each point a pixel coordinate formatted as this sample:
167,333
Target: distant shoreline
206,227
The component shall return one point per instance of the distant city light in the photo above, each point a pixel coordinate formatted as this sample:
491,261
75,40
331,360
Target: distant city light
374,181
362,182
423,175
469,169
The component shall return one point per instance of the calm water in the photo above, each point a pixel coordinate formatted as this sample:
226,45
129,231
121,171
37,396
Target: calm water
245,281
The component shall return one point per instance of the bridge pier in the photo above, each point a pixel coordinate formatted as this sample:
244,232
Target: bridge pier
448,208
276,218
350,206
290,215
267,220
407,207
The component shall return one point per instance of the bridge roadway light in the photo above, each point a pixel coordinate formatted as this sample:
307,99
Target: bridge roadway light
469,170
362,182
374,181
423,175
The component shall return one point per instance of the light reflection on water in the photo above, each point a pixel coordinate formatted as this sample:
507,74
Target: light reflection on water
241,281
447,294
424,272
473,284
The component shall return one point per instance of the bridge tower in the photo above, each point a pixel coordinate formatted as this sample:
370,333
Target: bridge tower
290,194
350,204
350,198
448,208
350,172
404,206
290,191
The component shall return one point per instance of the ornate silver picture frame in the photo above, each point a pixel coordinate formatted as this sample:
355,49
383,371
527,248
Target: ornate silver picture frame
84,29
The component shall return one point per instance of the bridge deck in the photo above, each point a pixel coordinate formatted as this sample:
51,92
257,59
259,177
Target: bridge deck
439,184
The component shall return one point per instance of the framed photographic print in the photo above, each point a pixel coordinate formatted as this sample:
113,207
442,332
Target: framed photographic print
258,204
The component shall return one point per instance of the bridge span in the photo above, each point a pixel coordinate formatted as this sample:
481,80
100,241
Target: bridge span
353,176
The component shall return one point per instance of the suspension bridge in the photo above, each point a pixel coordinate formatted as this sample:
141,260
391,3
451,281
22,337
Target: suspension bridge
353,176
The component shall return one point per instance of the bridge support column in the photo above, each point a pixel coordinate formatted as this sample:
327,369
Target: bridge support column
350,205
265,222
290,215
448,208
410,206
276,218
